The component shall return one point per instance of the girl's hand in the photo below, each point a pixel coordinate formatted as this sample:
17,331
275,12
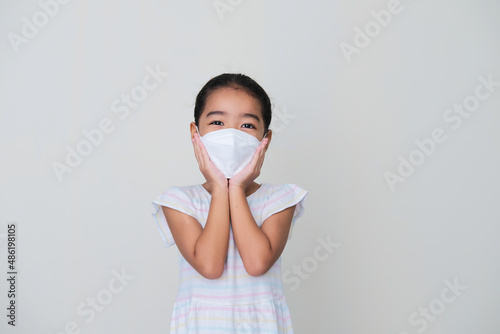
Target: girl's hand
211,173
251,171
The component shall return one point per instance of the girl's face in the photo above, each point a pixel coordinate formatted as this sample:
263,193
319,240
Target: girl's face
231,108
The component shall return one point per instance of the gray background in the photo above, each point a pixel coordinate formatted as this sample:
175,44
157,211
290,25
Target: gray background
339,127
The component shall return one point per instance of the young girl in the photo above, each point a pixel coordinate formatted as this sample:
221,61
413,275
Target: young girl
230,230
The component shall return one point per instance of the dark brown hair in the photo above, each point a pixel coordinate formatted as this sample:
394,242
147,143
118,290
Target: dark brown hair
236,81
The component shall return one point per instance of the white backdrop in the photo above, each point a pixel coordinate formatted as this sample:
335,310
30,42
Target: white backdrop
387,112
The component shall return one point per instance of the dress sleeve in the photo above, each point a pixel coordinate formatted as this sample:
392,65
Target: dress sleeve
174,198
283,197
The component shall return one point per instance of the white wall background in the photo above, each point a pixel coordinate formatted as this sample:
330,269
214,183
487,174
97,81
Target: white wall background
347,125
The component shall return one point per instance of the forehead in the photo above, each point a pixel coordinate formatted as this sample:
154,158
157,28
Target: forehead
232,101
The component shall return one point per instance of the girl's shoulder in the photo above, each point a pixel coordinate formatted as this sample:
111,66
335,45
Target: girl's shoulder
194,188
272,188
281,196
277,195
195,192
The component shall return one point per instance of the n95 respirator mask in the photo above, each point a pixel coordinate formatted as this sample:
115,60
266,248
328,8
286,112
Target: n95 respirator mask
230,149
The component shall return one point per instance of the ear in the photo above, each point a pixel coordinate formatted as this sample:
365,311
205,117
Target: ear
192,129
269,135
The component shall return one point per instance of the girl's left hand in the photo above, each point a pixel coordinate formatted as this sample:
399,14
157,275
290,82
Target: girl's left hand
251,171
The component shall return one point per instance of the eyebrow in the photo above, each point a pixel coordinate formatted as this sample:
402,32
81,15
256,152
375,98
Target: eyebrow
216,112
252,116
219,112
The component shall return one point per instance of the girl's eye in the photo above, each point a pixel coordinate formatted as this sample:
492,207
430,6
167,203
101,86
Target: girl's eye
216,122
251,126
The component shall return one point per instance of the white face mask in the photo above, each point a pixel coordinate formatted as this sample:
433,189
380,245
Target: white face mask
230,149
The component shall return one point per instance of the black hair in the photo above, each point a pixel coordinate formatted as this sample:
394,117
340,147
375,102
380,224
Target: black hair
236,81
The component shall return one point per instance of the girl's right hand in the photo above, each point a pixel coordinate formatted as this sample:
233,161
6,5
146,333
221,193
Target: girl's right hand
211,173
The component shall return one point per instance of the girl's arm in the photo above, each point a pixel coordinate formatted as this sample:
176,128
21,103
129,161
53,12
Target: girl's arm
205,249
259,248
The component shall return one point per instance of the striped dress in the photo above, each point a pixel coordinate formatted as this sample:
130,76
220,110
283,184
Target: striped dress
236,302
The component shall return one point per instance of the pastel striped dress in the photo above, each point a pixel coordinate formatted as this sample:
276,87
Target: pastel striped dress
236,302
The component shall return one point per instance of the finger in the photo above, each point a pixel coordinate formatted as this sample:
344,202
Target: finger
261,160
262,154
253,164
197,152
195,148
203,152
205,159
